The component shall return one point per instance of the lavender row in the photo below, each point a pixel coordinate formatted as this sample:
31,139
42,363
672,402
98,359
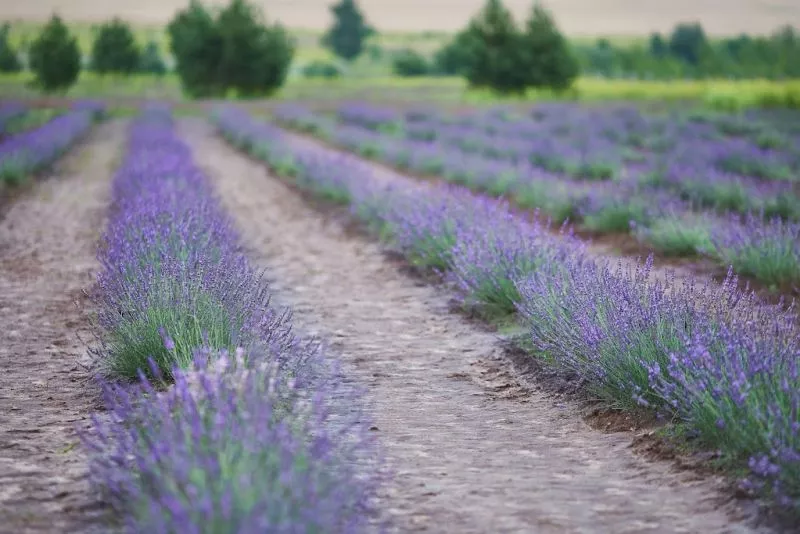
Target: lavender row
653,216
33,150
707,162
617,142
219,418
719,360
8,112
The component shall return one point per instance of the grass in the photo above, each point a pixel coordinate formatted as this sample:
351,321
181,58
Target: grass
725,95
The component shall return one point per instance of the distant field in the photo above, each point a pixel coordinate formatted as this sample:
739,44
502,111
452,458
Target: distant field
576,17
447,92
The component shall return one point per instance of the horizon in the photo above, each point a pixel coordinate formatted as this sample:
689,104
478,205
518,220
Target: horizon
574,17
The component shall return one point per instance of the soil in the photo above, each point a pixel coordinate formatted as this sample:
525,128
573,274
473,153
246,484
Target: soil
48,239
471,448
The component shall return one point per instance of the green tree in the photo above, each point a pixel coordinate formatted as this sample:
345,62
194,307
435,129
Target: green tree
550,61
115,50
152,61
494,50
234,51
453,58
349,31
9,59
55,57
197,47
688,42
255,58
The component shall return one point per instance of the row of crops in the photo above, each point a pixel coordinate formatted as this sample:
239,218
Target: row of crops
724,187
219,417
32,139
717,360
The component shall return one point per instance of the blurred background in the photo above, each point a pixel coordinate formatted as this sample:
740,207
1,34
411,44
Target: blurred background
730,55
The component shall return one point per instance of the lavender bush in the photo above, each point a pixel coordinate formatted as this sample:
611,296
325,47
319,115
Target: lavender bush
233,446
766,250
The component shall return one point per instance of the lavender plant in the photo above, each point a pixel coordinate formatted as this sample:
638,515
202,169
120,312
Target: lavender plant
766,250
233,446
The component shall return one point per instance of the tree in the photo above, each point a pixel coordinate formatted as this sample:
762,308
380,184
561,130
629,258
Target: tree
235,51
55,57
453,57
9,59
657,46
494,50
410,63
152,62
255,58
115,50
602,58
349,31
550,61
197,47
688,42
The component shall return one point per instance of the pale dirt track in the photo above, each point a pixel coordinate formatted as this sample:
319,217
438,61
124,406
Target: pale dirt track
575,17
471,450
48,240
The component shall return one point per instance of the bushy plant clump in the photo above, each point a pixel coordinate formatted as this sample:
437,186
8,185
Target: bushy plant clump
54,57
31,151
115,50
234,445
712,356
220,419
232,49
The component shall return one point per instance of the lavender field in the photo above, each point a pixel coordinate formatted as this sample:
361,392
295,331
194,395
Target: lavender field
683,185
552,319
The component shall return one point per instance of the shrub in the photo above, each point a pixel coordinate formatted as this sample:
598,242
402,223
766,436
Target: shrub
321,69
55,57
410,63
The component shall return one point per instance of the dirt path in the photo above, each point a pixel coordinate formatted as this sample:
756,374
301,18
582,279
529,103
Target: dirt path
471,451
47,254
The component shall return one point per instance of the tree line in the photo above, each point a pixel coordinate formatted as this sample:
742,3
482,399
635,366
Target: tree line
687,52
234,50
